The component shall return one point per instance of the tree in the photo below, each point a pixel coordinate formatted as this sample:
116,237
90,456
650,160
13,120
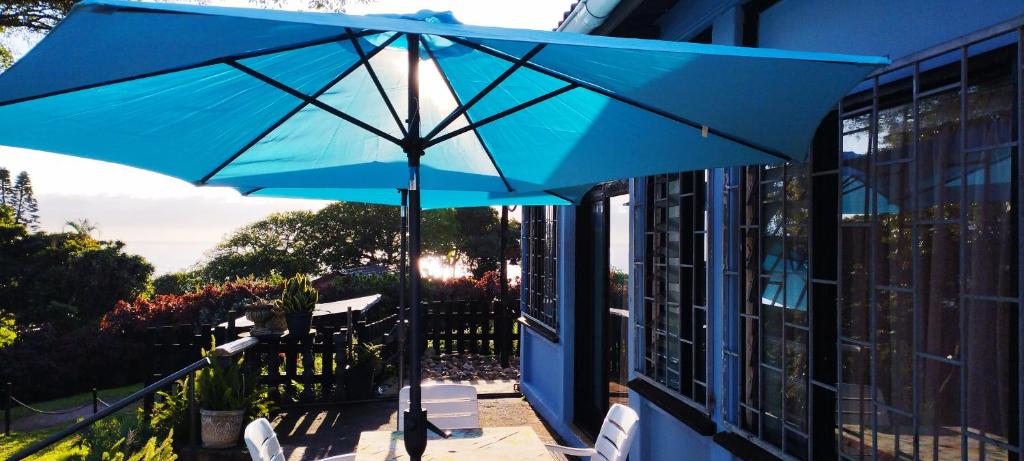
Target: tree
282,243
479,239
6,192
83,227
354,234
26,209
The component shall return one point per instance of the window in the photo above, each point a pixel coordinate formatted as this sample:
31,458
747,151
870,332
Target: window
768,275
929,304
873,291
672,330
540,225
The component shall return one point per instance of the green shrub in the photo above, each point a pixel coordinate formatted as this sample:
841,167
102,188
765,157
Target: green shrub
148,452
221,387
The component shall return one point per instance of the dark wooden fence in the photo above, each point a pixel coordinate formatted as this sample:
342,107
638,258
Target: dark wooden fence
312,368
467,326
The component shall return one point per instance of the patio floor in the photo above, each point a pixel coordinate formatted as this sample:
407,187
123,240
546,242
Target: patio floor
317,433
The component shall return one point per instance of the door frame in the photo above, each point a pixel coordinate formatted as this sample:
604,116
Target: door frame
585,417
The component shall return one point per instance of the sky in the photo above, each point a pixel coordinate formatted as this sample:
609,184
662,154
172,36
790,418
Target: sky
172,223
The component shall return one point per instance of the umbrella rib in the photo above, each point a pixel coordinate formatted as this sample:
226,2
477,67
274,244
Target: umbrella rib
211,62
629,101
502,114
555,194
448,83
294,111
516,65
251,191
376,81
326,107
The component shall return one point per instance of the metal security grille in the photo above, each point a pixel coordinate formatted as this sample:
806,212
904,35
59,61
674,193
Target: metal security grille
540,271
873,292
929,317
673,327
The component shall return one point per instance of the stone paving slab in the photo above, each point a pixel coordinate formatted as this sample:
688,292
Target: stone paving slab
319,433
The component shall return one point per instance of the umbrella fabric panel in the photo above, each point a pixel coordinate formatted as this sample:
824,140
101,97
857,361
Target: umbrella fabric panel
257,114
182,124
109,47
431,199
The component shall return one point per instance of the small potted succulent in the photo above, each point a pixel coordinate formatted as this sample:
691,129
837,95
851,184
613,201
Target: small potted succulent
298,301
222,402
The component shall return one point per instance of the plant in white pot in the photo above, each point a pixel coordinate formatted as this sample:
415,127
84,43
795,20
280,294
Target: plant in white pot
222,402
298,301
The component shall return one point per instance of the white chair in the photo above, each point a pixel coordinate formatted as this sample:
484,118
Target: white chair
263,445
449,406
613,442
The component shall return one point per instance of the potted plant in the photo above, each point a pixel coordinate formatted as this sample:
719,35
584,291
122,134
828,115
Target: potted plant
267,318
222,402
365,367
298,301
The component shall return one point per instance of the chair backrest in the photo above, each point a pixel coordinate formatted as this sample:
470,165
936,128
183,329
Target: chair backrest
617,433
449,406
262,441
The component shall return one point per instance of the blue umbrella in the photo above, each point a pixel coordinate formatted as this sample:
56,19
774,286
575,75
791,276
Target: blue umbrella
265,100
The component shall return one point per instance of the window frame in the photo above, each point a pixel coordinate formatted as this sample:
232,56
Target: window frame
733,200
541,307
643,208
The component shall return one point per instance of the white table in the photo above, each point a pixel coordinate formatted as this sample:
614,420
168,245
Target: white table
489,443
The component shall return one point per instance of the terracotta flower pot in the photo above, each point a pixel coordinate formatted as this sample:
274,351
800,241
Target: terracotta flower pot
221,429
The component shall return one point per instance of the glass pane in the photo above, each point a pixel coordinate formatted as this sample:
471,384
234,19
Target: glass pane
772,409
824,327
855,406
993,378
855,281
990,95
894,435
771,319
939,410
938,289
895,351
893,263
749,356
856,202
796,378
895,132
991,258
938,153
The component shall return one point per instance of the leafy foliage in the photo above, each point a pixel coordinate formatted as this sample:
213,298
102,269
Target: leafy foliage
221,387
7,329
345,235
280,242
299,296
210,304
70,361
19,196
149,452
179,283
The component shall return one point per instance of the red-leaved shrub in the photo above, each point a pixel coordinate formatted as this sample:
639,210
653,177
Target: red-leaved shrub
210,304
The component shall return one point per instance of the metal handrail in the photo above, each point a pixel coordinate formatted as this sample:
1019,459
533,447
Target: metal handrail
226,350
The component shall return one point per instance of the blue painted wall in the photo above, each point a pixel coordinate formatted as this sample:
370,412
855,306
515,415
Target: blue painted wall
895,28
881,27
546,367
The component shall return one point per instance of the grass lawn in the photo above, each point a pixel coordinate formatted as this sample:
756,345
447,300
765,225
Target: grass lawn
64,450
85,398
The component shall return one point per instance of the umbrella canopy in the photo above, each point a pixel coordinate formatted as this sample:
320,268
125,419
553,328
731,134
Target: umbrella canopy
274,99
266,100
431,198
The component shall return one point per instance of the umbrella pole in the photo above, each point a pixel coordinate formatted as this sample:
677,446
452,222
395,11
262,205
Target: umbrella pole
504,349
402,267
415,418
